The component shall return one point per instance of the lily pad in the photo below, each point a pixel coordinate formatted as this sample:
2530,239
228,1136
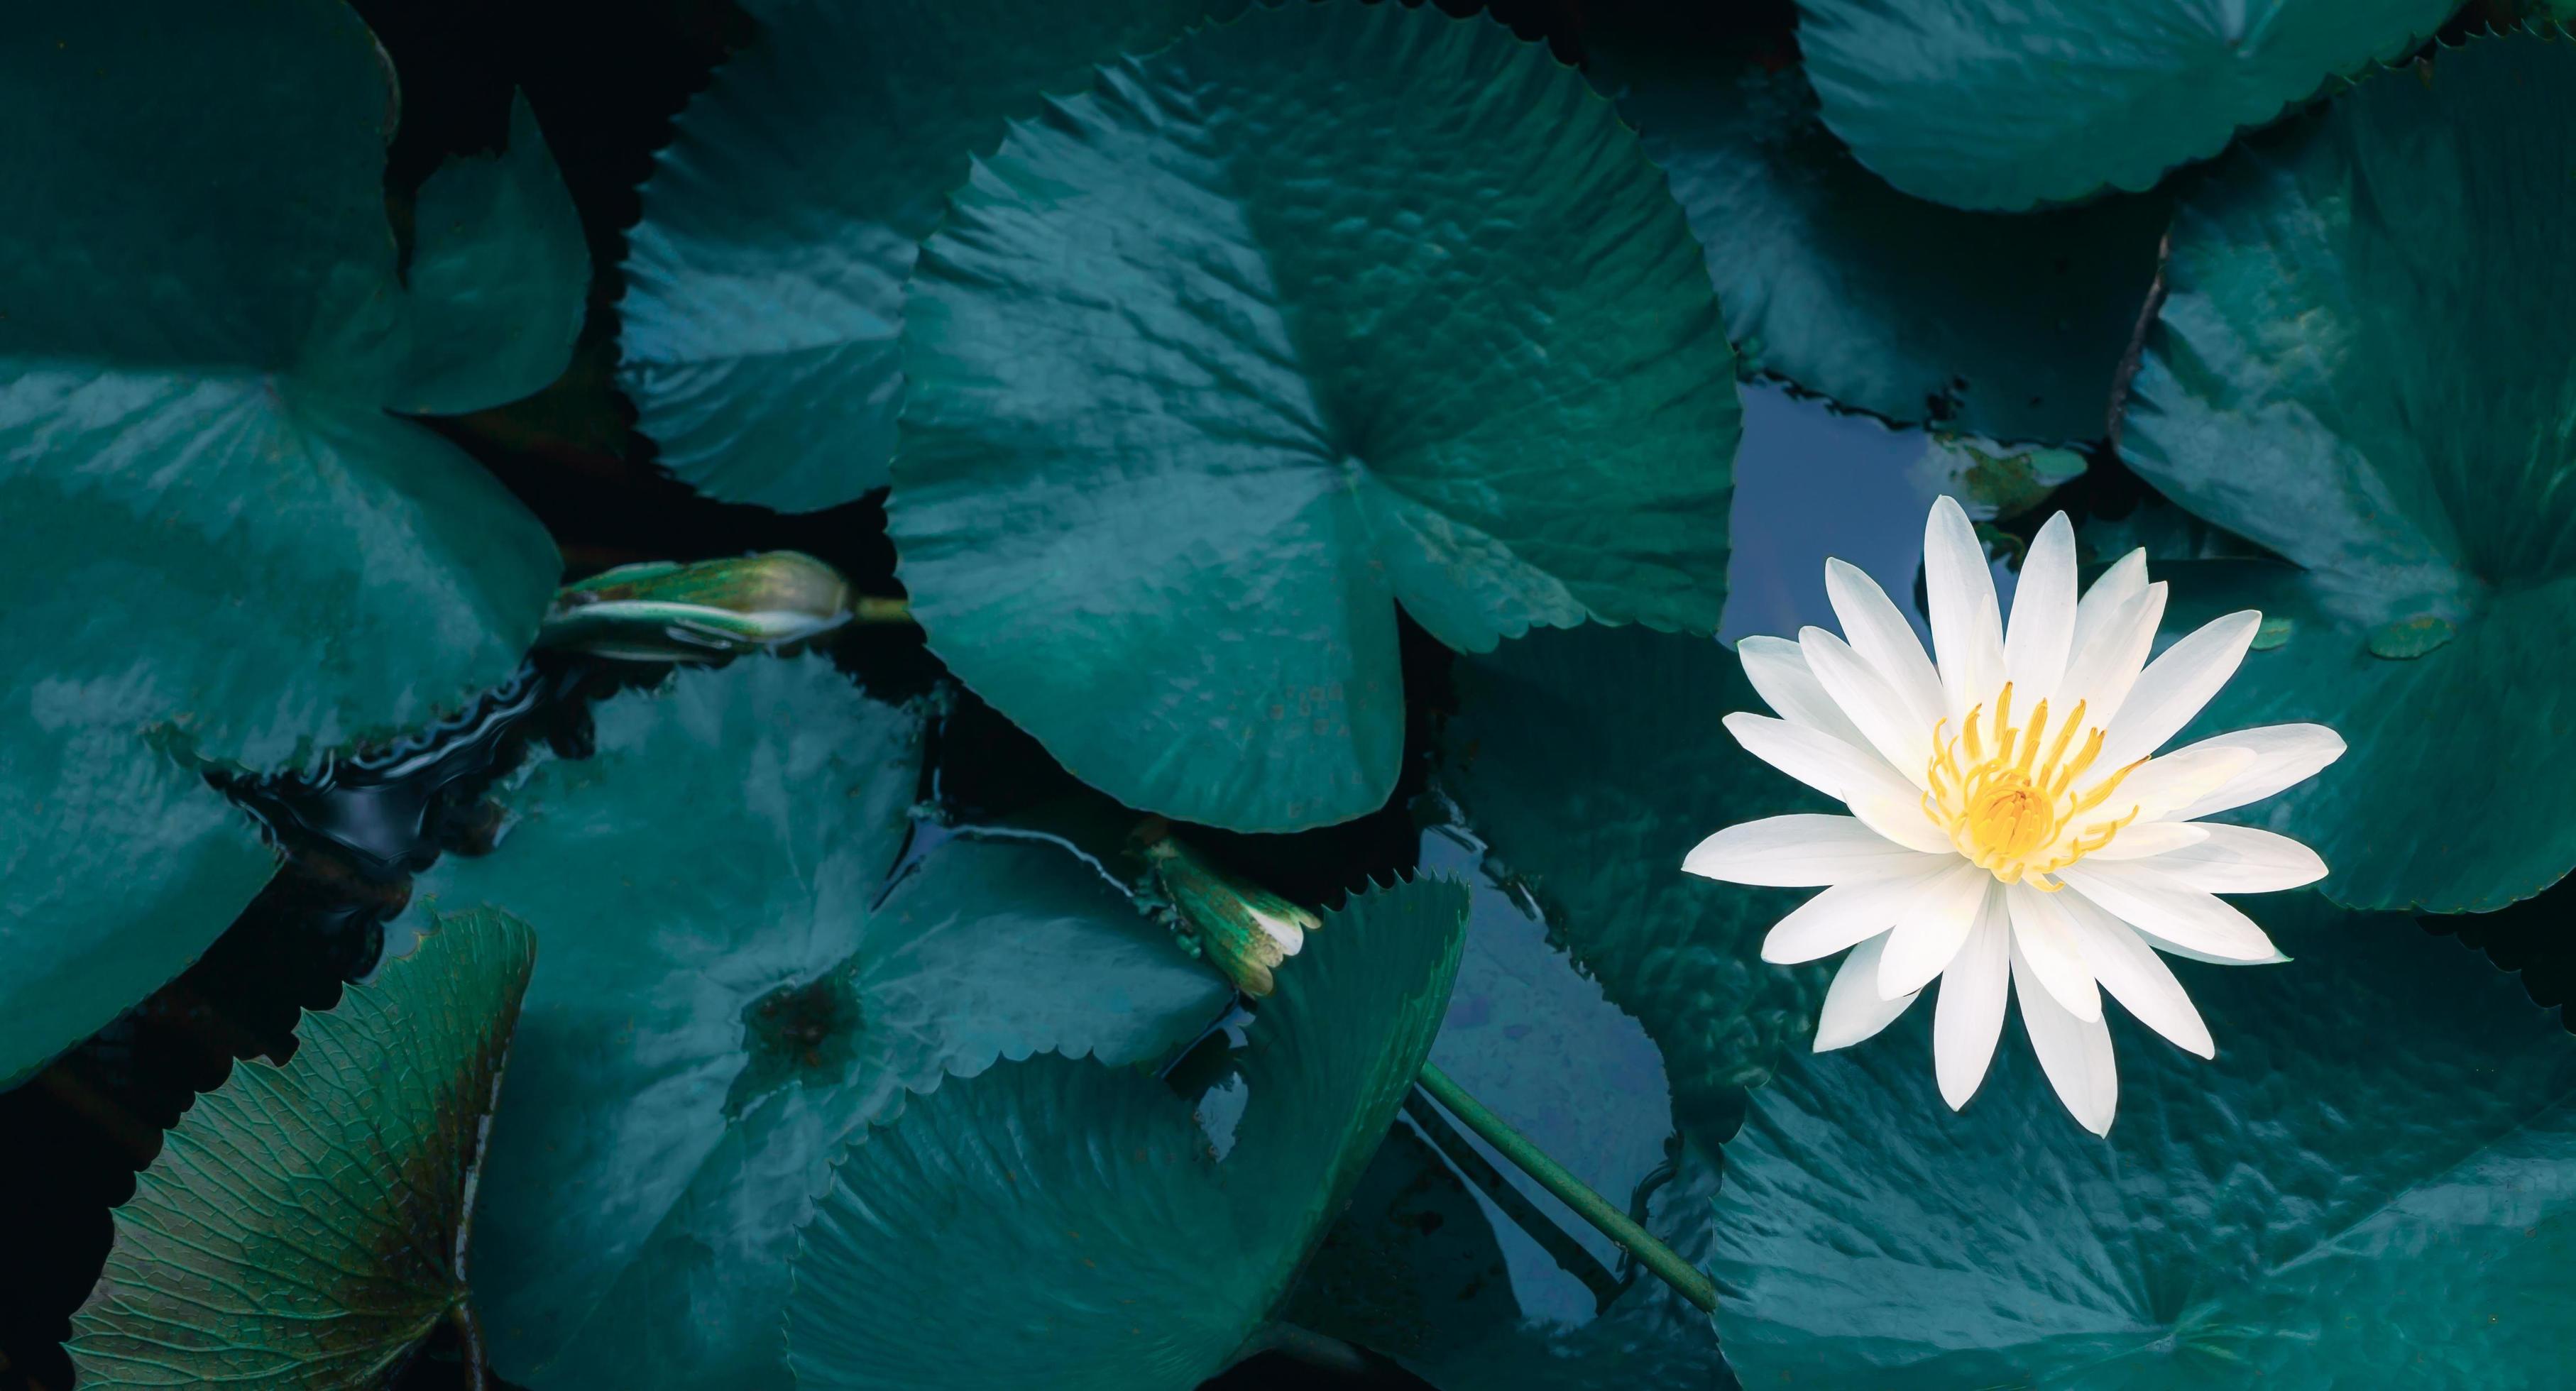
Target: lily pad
2348,381
1992,104
1591,761
2005,326
2308,1210
1332,308
1499,1285
725,999
306,1223
1058,1223
229,550
764,287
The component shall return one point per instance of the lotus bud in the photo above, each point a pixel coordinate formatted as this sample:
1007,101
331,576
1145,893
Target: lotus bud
1243,929
664,611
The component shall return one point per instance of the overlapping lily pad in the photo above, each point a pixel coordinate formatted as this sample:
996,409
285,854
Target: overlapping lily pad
2371,1183
306,1223
1335,307
1056,1223
1997,104
724,999
1591,761
764,286
1501,1286
2005,326
2380,389
220,545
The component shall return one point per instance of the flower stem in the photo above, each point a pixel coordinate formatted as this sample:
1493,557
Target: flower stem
1667,1264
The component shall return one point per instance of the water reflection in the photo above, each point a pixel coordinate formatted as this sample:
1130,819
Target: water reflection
1811,483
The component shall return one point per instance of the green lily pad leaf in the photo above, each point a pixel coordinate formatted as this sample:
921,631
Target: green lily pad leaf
764,287
1994,482
1500,1285
725,998
1330,308
2346,381
305,1224
221,544
2011,327
1057,1223
1989,104
1591,761
499,278
2307,1210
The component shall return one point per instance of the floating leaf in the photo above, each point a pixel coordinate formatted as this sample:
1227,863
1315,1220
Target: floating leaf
1056,1223
1917,313
724,999
1591,762
305,1224
1331,308
1995,104
1504,1286
2311,1209
2355,383
498,277
219,543
765,283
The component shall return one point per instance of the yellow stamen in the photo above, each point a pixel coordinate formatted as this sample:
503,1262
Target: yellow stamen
2012,809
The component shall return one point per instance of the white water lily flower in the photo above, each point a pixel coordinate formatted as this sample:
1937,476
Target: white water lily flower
2013,830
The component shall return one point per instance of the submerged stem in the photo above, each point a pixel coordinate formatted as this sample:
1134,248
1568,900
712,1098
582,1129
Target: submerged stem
1654,1255
469,1345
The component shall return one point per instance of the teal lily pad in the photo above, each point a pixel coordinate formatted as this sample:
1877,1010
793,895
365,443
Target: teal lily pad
306,1223
1058,1223
1591,761
1332,308
222,548
1501,1286
2370,1185
1995,105
1920,314
2349,382
724,998
764,286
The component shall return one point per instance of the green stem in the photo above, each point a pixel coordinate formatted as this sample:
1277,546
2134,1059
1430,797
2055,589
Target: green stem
1622,1230
869,608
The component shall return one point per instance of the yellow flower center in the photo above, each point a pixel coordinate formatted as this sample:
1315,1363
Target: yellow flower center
2007,793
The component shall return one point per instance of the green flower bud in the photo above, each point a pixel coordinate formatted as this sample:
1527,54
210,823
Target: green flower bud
1244,929
664,611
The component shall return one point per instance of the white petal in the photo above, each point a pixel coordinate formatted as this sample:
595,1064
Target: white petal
1930,928
1821,761
1883,719
2284,756
1902,820
2101,671
1778,671
2161,786
1841,916
2042,632
2141,840
2171,948
1877,630
2176,685
1852,1009
1801,851
2235,860
2075,1054
1967,624
2125,580
1969,1016
2185,917
2136,977
2047,941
